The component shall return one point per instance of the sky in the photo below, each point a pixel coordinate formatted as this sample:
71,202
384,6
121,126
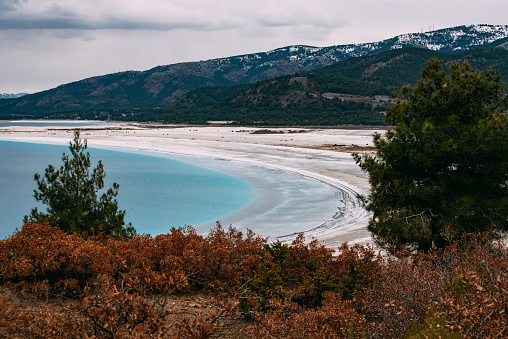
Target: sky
46,43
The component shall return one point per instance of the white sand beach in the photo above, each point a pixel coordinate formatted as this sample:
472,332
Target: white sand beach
279,165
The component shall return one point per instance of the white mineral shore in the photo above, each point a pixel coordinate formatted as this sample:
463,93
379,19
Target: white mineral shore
301,154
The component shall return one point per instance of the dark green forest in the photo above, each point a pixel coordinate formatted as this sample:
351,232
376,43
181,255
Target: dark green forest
301,99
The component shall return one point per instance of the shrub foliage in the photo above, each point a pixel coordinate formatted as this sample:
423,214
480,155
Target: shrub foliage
113,288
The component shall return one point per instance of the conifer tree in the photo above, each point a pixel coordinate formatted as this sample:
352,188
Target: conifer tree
71,194
444,165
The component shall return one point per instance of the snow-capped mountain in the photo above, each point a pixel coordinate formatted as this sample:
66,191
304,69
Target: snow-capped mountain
453,39
11,95
160,86
444,40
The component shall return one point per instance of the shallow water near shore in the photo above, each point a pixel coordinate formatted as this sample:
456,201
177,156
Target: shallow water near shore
156,193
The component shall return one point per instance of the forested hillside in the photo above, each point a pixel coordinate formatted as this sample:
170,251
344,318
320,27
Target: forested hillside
355,91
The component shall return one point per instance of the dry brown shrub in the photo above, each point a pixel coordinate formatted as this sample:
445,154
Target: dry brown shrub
123,288
142,265
476,300
44,259
179,253
479,312
213,323
229,258
120,314
43,322
411,287
401,294
337,318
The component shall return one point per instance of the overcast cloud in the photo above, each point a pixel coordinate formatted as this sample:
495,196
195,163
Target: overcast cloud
45,43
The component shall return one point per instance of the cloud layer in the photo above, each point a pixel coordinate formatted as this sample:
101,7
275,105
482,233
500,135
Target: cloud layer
162,15
44,43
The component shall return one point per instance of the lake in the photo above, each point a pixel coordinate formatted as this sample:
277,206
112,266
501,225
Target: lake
156,193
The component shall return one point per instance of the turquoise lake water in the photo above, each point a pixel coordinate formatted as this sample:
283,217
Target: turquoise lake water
156,193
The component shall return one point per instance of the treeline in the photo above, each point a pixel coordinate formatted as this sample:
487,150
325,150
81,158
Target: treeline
322,112
272,102
299,99
123,288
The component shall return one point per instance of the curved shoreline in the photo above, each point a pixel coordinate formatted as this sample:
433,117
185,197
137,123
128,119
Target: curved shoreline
349,221
350,211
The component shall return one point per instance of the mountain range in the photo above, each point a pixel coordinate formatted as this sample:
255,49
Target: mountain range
355,91
164,87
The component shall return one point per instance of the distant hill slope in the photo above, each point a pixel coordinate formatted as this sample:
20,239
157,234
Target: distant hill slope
162,85
355,91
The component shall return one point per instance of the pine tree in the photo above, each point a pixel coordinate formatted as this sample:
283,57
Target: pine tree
72,196
444,165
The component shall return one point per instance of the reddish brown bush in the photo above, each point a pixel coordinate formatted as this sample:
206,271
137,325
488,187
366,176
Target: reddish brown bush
124,288
400,295
476,299
409,288
337,318
43,259
120,314
39,323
